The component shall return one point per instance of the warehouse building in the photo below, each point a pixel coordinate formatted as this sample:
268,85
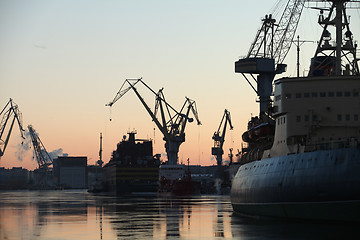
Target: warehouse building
71,172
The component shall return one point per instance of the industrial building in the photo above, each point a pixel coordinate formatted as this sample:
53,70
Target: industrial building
71,172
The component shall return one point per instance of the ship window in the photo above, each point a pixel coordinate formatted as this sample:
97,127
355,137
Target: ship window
288,96
347,117
355,94
298,118
306,95
284,120
323,94
298,95
339,94
306,118
331,94
347,94
314,94
356,117
339,117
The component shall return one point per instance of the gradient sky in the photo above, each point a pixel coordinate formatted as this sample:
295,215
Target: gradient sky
62,61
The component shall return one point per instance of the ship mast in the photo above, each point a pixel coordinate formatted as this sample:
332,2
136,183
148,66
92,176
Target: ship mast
335,57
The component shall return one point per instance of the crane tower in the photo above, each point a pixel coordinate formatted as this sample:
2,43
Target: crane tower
219,137
268,51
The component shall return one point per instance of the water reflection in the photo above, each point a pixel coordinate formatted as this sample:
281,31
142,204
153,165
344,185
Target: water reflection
277,229
80,215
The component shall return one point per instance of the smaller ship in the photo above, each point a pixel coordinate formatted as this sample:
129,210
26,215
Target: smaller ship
133,169
175,180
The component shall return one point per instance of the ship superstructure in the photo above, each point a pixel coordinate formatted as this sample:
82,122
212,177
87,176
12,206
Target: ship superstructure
303,150
133,169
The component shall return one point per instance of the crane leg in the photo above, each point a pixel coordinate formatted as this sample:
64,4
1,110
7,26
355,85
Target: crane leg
8,136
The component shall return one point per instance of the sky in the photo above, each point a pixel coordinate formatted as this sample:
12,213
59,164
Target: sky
61,61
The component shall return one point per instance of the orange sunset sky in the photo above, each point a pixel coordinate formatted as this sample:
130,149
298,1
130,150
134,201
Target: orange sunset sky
62,61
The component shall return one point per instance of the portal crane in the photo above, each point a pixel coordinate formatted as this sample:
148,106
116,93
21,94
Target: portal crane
268,51
42,156
171,123
219,138
11,109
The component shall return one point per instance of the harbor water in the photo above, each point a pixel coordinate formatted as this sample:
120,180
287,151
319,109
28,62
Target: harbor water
82,215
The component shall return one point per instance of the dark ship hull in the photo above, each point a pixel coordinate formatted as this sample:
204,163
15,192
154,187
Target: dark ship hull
126,180
314,185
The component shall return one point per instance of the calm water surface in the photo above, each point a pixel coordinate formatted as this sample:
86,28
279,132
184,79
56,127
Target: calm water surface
81,215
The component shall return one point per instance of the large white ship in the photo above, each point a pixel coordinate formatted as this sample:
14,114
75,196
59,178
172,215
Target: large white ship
303,155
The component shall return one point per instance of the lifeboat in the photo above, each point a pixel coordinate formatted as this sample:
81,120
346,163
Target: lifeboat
257,132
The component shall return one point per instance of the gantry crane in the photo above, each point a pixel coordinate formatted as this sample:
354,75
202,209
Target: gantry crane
171,123
268,51
219,137
11,109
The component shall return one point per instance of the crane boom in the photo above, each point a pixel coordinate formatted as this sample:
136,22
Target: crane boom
285,31
11,108
275,43
42,156
173,129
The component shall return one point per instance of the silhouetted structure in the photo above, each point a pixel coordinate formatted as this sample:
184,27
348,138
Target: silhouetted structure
71,172
133,168
15,178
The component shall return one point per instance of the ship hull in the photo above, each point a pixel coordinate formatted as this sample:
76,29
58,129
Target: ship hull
121,180
313,185
132,188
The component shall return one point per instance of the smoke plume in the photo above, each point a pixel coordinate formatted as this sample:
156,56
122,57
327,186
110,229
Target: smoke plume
55,153
23,147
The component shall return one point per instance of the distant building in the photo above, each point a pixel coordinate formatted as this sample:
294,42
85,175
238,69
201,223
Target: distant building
71,172
15,178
